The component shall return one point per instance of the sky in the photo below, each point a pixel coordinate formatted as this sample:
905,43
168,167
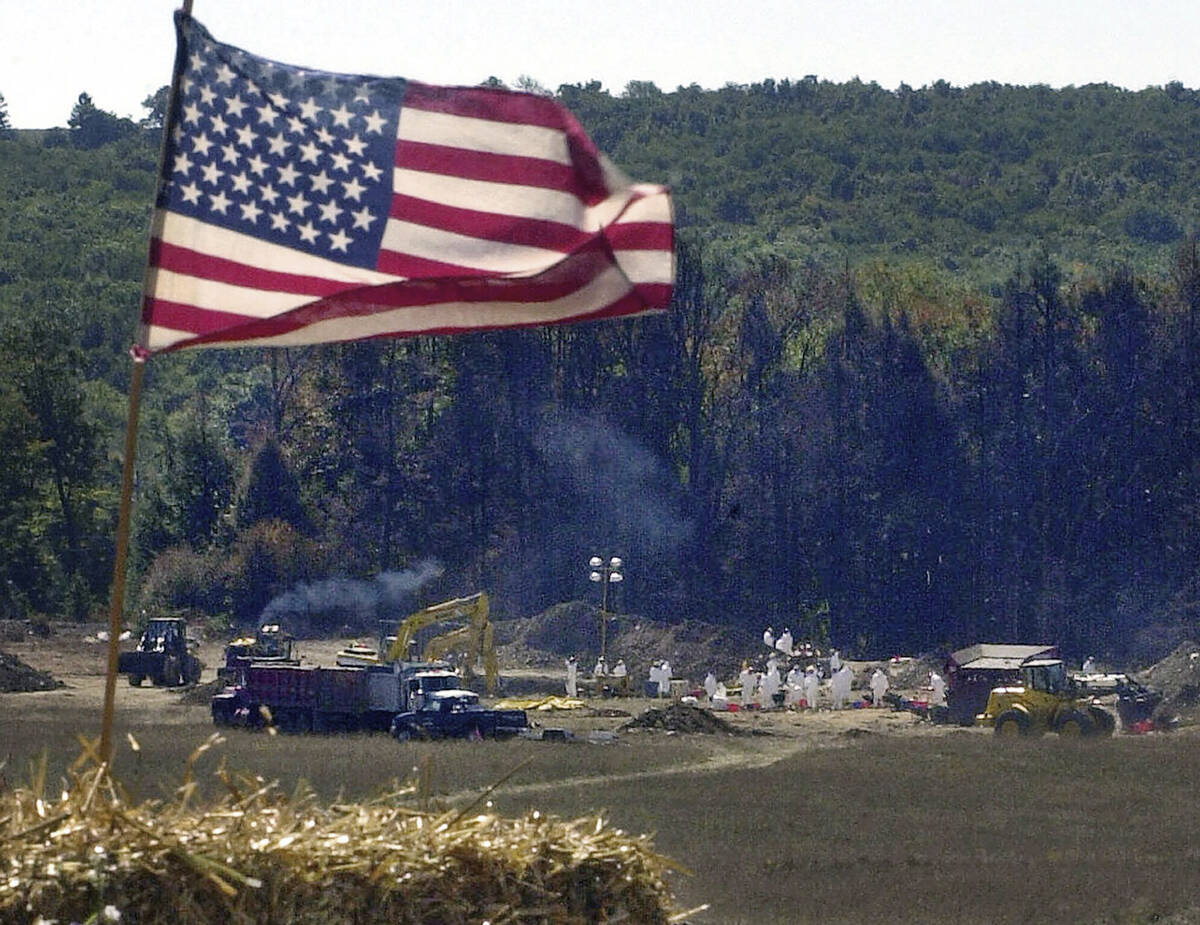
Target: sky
121,51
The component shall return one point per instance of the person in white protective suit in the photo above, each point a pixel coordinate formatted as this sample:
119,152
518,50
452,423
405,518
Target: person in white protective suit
769,638
937,690
1089,665
812,687
748,680
664,679
835,661
653,676
794,685
784,642
572,677
620,676
879,686
710,684
840,686
768,684
601,669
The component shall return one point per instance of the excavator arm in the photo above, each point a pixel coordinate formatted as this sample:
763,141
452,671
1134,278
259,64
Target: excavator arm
473,607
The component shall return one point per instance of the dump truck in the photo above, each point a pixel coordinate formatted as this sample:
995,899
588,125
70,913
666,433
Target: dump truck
164,655
310,698
457,714
1046,700
270,644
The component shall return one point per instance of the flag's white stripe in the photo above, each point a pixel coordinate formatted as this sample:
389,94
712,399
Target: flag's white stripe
226,297
497,198
605,289
653,206
214,241
439,128
156,337
646,266
465,251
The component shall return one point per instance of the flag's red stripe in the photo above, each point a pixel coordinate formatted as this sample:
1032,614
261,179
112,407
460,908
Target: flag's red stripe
410,266
182,317
204,266
491,167
509,229
641,236
486,103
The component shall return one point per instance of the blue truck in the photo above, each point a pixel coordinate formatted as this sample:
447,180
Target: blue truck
456,714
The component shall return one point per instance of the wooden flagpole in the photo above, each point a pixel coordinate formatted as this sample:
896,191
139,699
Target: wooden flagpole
117,602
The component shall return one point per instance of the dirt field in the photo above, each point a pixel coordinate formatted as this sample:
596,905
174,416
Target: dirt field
851,816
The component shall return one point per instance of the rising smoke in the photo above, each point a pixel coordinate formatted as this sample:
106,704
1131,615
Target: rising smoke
335,603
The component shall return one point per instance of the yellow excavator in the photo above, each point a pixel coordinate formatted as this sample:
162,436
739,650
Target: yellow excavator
471,644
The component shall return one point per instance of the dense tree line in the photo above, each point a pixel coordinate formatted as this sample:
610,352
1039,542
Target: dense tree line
932,375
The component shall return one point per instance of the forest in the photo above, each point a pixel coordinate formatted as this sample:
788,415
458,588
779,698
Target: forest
931,376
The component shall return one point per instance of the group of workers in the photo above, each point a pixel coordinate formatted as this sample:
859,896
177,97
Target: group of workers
617,676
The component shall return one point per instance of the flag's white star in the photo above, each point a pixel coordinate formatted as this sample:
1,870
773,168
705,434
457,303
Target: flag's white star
310,152
207,95
340,161
183,163
257,165
279,223
321,181
177,133
296,124
371,172
241,182
268,193
225,75
307,232
330,212
360,95
278,144
229,153
338,241
353,189
375,122
355,145
266,114
218,202
331,86
297,78
309,109
191,113
212,174
219,125
324,136
279,101
341,116
201,144
363,218
190,193
288,174
297,204
235,105
197,60
250,211
245,136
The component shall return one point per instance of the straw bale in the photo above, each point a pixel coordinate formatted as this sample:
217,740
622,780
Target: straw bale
256,855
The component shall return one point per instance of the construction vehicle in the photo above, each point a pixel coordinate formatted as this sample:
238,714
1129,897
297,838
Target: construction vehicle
270,644
309,698
1047,699
164,654
467,645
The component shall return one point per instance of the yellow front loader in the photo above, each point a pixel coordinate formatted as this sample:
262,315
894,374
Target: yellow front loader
1047,700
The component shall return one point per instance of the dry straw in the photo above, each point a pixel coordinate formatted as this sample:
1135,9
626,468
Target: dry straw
256,855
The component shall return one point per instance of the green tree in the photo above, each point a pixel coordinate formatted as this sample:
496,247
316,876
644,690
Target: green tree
92,127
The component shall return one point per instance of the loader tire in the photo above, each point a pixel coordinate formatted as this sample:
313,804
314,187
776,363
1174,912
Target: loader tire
135,680
1076,725
1012,723
1104,722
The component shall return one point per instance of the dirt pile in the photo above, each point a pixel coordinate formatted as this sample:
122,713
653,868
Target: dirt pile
681,717
1177,678
17,677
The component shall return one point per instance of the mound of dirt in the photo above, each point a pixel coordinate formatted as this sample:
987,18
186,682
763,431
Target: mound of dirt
17,677
202,693
1177,678
680,717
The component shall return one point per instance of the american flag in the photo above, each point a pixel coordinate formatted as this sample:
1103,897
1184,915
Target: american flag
298,206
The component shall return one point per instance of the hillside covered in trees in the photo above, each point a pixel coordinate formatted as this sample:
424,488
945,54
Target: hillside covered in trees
932,375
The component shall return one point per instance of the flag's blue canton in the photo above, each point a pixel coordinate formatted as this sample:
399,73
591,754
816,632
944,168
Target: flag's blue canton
294,157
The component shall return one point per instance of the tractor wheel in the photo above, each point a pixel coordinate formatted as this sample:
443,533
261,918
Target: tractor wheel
1073,725
1105,724
192,670
170,672
135,680
1012,723
401,733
